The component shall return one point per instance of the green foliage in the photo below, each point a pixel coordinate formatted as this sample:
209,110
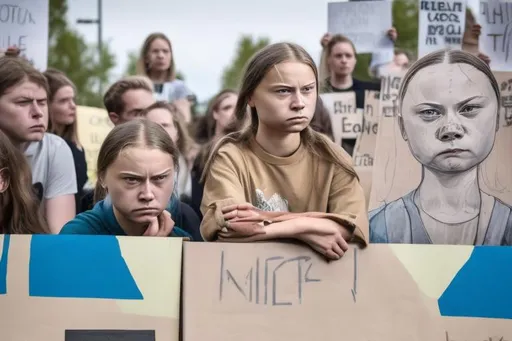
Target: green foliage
247,47
131,67
405,20
69,53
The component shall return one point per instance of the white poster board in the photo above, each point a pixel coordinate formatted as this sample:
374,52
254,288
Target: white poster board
365,23
496,37
24,24
441,25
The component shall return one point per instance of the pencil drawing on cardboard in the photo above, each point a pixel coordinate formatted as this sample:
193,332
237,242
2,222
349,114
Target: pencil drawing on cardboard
449,104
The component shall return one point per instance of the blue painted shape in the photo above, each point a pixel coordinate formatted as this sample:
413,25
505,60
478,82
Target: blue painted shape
78,266
482,287
3,265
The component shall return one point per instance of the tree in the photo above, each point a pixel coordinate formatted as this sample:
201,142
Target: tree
405,20
131,67
247,47
69,53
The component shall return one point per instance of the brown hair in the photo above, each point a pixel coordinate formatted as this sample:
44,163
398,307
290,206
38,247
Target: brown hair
113,98
207,124
57,80
20,213
255,71
142,65
185,143
324,72
139,132
321,120
15,70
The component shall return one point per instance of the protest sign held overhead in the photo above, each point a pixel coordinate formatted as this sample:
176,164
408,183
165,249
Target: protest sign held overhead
365,23
24,24
441,25
496,38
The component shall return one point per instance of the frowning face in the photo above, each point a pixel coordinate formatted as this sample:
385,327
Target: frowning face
449,117
24,112
140,182
286,97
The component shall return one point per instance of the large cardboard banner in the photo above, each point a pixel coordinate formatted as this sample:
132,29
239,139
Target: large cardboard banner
430,148
24,24
278,291
70,288
93,126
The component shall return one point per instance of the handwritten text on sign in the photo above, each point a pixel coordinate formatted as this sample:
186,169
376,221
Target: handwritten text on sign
390,85
347,121
505,84
24,24
261,283
441,25
365,22
496,37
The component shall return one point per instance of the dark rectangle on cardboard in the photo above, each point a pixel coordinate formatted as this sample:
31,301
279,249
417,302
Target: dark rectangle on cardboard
110,335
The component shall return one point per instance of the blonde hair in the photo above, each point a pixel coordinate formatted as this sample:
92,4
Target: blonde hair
255,71
113,98
142,66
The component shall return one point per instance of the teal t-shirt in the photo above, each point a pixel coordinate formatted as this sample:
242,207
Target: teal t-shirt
102,221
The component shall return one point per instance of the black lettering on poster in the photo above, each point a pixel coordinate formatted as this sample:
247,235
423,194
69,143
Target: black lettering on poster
498,20
444,22
260,283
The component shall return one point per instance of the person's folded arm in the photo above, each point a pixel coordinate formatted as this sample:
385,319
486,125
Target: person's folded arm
222,188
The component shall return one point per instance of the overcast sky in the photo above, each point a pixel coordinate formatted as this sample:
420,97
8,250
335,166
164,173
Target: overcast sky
203,32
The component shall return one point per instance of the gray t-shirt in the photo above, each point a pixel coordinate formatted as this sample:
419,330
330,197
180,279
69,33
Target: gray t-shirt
53,168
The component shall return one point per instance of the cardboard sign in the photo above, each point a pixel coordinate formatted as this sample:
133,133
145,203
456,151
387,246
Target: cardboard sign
278,291
24,24
505,83
365,144
74,287
496,37
412,157
441,25
347,121
93,126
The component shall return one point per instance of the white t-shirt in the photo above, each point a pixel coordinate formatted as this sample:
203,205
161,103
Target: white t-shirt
171,91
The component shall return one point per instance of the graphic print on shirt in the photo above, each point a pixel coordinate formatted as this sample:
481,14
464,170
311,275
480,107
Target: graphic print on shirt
39,190
276,203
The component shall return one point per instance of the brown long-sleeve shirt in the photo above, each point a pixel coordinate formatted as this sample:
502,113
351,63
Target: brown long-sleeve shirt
302,182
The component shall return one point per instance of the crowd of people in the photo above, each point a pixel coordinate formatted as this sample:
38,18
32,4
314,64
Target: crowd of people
260,164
